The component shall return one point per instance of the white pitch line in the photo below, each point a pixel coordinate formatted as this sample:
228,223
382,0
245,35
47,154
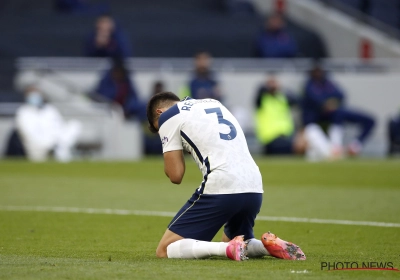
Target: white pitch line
327,221
172,214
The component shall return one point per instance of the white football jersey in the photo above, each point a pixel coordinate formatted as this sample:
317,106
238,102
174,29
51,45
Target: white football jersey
214,138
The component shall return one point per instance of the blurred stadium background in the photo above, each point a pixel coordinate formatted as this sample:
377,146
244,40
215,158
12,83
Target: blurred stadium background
341,211
42,42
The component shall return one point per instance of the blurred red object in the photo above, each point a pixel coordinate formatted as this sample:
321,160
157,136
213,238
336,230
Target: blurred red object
280,6
366,49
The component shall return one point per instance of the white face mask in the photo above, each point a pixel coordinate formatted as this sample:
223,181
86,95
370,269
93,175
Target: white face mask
35,99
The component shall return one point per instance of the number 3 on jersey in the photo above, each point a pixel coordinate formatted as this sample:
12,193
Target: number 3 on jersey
232,134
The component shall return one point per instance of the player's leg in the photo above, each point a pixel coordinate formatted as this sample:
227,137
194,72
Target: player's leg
66,140
188,248
318,145
300,143
190,232
254,247
335,130
225,238
168,238
173,245
242,222
366,124
36,151
335,134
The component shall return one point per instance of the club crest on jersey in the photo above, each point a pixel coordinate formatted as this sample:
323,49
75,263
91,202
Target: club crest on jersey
164,140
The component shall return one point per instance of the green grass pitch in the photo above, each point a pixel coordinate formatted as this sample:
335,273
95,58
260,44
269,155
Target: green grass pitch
59,245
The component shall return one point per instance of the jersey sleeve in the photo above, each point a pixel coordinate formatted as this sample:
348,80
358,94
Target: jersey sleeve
170,127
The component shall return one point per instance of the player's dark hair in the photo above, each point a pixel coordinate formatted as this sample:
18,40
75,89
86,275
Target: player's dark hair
156,101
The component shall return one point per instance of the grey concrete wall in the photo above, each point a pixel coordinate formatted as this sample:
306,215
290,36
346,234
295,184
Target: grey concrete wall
376,93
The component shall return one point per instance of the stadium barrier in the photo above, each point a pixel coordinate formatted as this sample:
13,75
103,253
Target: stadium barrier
369,86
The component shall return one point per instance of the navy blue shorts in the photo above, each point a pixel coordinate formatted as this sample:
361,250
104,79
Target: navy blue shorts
204,214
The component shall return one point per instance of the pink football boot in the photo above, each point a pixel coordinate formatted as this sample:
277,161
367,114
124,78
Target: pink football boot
236,249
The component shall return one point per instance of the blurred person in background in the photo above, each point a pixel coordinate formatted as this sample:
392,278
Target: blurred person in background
275,127
107,40
117,87
203,84
43,130
324,104
275,41
158,86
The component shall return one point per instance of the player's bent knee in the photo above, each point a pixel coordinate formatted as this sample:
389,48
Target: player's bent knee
161,252
168,238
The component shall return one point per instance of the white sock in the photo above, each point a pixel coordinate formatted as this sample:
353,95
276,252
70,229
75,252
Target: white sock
319,146
335,133
195,249
256,249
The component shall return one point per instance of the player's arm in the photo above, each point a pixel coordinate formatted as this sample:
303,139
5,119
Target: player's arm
174,166
174,163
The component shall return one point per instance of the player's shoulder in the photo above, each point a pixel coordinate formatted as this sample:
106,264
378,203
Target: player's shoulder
168,114
174,112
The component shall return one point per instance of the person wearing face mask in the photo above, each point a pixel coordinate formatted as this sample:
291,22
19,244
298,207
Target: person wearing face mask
274,123
43,130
